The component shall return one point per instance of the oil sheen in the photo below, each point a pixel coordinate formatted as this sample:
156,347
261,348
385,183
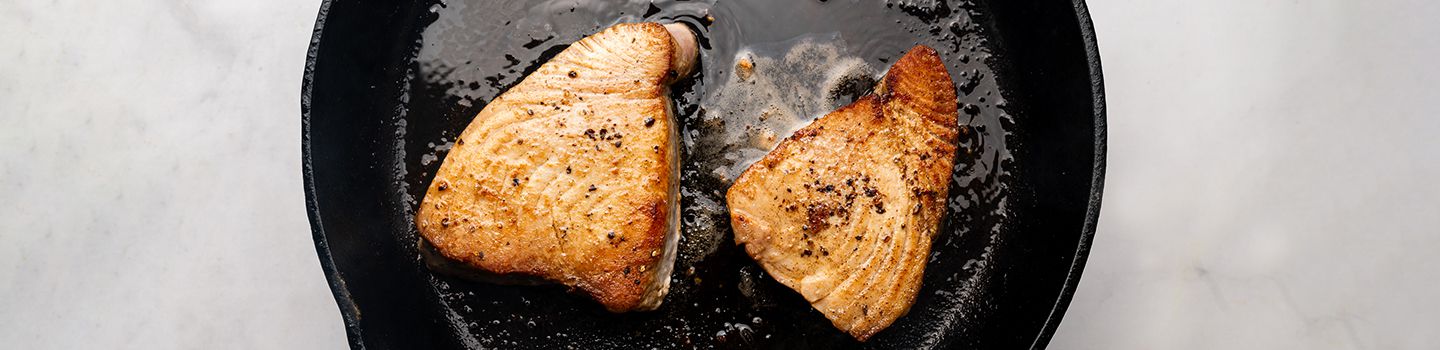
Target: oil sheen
766,69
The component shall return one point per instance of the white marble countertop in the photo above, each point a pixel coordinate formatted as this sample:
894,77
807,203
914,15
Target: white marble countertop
1271,177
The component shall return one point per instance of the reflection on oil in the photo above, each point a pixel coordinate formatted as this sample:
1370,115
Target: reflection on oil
766,68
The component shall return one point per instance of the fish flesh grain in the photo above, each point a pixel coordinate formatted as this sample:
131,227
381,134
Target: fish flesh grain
571,176
844,210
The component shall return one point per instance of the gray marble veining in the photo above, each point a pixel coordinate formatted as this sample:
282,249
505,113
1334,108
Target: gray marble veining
1271,177
150,195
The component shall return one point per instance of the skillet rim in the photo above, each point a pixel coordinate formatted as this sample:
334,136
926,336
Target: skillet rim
349,310
1097,179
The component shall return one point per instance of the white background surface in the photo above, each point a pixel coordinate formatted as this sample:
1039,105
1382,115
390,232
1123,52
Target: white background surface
1271,177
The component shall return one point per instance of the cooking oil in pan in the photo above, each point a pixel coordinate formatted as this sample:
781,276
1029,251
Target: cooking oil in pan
766,69
771,90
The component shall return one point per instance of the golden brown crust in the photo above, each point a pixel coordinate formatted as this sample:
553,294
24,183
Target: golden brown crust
567,176
845,209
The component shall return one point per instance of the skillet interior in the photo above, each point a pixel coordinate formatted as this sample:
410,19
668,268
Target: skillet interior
376,119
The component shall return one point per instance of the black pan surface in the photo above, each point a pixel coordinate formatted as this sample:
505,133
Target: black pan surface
389,84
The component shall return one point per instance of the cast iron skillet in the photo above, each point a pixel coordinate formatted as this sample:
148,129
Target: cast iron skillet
377,109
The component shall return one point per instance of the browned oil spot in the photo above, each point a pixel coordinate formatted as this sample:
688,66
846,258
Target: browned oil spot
744,68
